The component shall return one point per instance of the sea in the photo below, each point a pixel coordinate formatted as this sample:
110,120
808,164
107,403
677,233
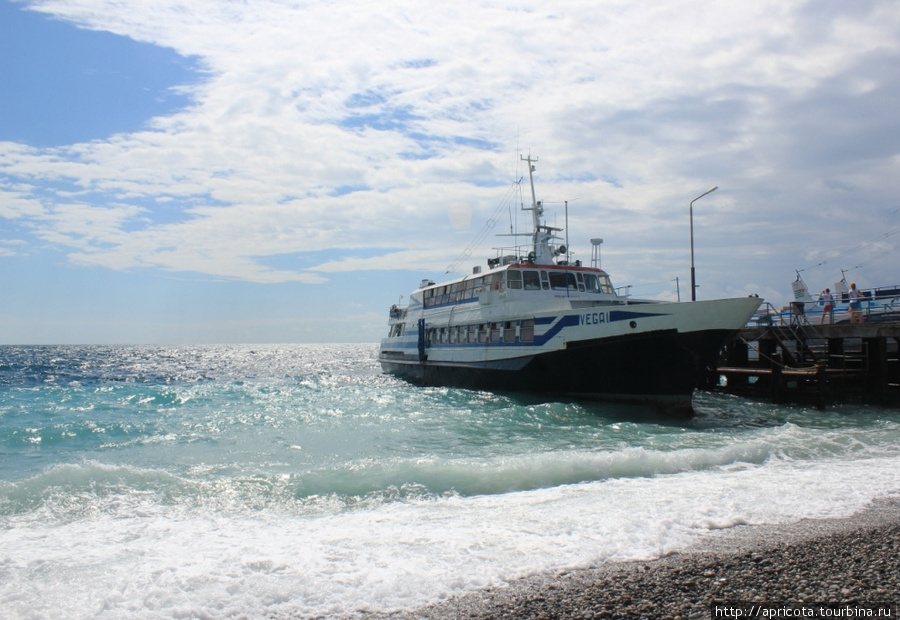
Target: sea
291,481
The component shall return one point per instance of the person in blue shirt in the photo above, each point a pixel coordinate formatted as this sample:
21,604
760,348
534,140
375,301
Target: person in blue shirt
856,315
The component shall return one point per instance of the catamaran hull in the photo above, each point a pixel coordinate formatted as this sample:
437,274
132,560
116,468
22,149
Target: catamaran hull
660,368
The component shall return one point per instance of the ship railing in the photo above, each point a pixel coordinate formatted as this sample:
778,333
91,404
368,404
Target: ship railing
508,255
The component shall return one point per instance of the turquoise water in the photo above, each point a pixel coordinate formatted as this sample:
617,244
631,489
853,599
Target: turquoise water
218,481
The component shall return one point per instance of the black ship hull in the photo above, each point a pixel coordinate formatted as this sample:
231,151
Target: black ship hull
660,368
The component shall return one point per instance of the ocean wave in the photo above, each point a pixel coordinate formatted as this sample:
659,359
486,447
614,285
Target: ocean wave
74,491
507,474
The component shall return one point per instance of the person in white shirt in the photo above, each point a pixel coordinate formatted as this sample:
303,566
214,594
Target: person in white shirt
827,302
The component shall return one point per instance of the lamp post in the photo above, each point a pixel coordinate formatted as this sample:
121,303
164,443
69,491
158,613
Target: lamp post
691,212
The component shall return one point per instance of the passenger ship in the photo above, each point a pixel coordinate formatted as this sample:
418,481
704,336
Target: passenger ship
533,322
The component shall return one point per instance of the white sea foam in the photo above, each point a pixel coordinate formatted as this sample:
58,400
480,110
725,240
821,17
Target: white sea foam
130,558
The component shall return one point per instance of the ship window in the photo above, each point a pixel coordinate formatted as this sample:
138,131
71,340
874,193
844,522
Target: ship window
467,292
598,283
452,335
562,280
472,287
514,279
605,285
509,331
482,333
545,281
526,330
580,279
473,334
495,332
531,280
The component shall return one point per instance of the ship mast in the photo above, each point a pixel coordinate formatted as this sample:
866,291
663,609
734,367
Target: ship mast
537,210
543,253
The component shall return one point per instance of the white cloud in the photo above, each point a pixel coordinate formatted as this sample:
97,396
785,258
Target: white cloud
372,130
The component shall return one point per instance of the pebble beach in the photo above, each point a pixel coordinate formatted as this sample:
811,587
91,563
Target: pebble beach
814,568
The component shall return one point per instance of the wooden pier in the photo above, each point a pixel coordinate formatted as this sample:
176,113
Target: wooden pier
818,364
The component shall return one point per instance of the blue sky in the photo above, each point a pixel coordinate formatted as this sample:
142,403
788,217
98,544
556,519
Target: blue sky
282,171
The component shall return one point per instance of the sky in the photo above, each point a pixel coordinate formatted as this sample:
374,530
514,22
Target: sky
273,171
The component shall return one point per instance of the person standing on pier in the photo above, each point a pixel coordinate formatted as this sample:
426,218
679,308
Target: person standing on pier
827,303
856,315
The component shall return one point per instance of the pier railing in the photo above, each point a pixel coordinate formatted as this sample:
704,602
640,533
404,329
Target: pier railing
878,305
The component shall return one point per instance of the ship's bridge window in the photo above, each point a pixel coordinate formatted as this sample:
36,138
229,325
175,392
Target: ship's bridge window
597,283
579,277
605,285
514,279
531,280
562,280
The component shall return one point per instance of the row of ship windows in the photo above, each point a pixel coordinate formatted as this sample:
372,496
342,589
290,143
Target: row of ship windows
482,333
518,279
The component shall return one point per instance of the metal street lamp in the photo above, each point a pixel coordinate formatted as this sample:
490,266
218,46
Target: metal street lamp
691,211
